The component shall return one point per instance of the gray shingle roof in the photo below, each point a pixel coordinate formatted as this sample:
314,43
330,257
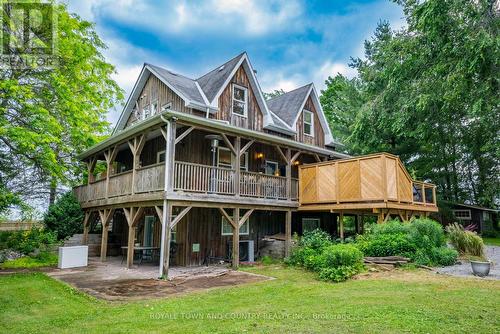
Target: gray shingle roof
287,106
184,85
212,82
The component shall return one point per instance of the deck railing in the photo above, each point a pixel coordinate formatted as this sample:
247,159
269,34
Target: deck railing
190,177
203,179
150,178
262,185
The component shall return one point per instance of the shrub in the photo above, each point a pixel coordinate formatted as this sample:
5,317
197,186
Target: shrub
316,239
65,216
465,242
385,245
339,262
27,242
426,233
423,241
44,259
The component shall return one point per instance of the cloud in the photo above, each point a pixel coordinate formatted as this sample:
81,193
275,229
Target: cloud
330,68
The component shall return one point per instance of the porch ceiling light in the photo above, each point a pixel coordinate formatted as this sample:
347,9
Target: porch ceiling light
260,155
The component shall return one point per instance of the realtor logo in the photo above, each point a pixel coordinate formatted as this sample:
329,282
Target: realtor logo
28,35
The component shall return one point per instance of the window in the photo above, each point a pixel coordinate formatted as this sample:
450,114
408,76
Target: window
227,228
154,108
272,168
173,233
146,112
309,224
225,159
160,156
462,214
308,123
240,100
486,216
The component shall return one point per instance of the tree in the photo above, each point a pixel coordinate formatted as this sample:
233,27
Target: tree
64,217
273,94
48,115
429,93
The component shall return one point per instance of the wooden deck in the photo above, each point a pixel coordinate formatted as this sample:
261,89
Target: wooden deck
369,183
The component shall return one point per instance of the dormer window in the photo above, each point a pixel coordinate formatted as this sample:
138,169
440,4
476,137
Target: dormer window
240,100
308,123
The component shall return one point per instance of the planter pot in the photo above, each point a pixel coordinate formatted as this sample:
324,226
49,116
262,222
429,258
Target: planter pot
480,268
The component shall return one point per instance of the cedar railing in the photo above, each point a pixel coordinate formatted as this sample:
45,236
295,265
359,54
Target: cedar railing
371,178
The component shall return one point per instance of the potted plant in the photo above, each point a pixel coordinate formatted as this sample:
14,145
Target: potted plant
480,266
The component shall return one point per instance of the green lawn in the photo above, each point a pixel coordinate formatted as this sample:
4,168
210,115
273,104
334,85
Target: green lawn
411,301
492,241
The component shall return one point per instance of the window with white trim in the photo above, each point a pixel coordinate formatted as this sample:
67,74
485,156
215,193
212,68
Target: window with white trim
160,156
272,168
308,120
240,100
462,214
225,159
146,112
310,224
227,228
154,108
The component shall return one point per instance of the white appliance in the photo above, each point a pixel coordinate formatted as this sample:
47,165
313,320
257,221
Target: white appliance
73,256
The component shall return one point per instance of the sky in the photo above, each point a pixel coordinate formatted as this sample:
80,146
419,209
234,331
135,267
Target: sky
290,43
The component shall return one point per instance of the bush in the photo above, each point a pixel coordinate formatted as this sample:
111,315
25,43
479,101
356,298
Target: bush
423,241
44,259
27,242
316,240
465,242
385,245
65,216
339,262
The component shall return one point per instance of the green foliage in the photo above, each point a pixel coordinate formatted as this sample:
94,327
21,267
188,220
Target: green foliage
273,94
429,93
316,240
44,259
386,244
64,217
27,242
267,260
48,115
422,240
465,242
332,262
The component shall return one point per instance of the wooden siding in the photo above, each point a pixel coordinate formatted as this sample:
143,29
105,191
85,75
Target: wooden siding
156,90
319,135
254,119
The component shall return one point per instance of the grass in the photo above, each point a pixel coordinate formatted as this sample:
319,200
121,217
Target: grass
492,241
43,260
409,301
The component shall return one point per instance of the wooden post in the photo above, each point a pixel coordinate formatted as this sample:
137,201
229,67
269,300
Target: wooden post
136,145
90,169
168,237
362,224
109,156
288,156
237,164
169,134
380,218
288,232
132,215
341,225
236,238
105,217
86,223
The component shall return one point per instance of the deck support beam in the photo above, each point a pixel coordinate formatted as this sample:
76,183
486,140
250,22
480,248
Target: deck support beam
132,216
341,225
105,217
288,232
86,225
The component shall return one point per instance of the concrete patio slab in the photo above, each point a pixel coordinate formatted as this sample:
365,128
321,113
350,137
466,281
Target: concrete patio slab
111,280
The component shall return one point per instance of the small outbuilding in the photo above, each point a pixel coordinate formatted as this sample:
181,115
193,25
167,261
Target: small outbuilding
484,220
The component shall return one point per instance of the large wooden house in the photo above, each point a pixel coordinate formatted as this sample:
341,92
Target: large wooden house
210,168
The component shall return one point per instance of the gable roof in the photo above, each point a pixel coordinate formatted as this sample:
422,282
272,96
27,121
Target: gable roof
185,86
212,82
287,106
280,114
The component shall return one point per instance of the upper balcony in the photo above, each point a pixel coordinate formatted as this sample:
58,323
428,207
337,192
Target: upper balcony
366,182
